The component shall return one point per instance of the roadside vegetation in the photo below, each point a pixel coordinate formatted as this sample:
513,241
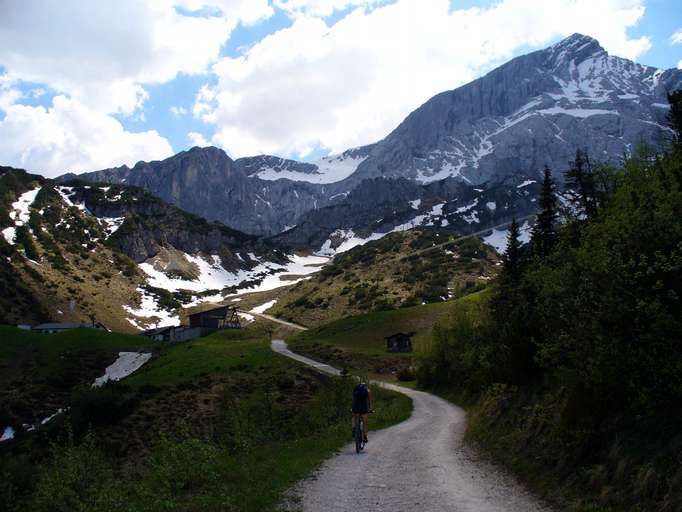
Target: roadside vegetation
573,367
218,423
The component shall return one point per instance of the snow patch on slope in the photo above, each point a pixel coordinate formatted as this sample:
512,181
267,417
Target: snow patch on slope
212,275
19,214
127,363
149,312
264,307
330,169
498,237
348,239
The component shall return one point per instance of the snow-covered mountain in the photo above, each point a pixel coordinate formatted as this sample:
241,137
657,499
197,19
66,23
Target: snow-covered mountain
533,111
122,256
381,206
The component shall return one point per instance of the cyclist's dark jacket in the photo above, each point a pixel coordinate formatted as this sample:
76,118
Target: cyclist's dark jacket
361,399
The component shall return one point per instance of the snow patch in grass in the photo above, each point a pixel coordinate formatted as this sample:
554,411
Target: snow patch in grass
498,238
127,363
264,307
150,311
246,317
10,234
66,192
349,240
111,224
20,212
7,434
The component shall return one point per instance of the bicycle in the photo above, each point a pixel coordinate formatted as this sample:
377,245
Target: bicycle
358,434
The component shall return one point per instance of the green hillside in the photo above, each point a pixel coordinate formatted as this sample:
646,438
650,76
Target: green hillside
38,372
387,274
246,420
358,342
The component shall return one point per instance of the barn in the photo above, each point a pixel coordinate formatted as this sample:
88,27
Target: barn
172,334
399,342
223,317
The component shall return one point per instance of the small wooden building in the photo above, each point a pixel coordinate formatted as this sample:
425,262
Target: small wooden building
399,342
172,334
223,317
54,327
159,334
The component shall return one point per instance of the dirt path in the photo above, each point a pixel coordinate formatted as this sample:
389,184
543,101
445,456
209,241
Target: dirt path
419,465
278,321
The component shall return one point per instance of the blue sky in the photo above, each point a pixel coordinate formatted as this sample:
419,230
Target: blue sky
85,85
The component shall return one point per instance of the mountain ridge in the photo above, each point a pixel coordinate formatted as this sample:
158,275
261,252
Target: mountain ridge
532,111
78,250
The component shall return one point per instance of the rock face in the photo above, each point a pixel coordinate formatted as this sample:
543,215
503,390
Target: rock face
534,110
537,109
380,206
207,182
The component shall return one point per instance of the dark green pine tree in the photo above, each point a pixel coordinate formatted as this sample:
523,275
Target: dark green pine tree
544,233
580,183
511,260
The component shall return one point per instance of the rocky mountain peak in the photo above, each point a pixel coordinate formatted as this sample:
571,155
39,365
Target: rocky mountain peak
576,47
535,110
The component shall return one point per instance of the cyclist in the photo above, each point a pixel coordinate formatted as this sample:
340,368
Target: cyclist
362,406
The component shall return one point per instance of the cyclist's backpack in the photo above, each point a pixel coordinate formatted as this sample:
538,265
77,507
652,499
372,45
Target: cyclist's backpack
360,393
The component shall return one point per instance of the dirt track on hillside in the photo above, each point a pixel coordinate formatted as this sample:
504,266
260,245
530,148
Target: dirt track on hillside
420,464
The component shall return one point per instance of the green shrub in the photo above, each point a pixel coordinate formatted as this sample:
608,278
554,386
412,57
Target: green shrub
79,478
95,406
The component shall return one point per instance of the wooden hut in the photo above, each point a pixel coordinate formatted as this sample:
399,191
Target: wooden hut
399,342
223,317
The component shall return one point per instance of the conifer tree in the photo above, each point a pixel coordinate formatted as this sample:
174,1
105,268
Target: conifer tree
511,260
544,232
580,182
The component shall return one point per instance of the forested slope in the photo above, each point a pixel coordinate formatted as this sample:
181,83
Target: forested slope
574,367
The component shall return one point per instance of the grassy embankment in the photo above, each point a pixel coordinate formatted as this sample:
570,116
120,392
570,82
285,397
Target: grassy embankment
219,423
387,274
37,372
358,342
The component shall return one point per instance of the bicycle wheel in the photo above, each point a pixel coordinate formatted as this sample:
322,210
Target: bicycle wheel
358,435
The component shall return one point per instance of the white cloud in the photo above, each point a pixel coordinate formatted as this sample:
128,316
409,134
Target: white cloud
102,53
313,85
245,11
9,94
178,111
98,57
70,136
321,7
676,38
679,65
197,139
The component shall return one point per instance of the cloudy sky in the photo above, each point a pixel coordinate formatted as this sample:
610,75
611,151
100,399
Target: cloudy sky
86,85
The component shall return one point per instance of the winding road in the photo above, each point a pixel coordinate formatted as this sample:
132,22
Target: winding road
420,464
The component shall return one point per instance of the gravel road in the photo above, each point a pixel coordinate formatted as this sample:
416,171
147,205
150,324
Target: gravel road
420,464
